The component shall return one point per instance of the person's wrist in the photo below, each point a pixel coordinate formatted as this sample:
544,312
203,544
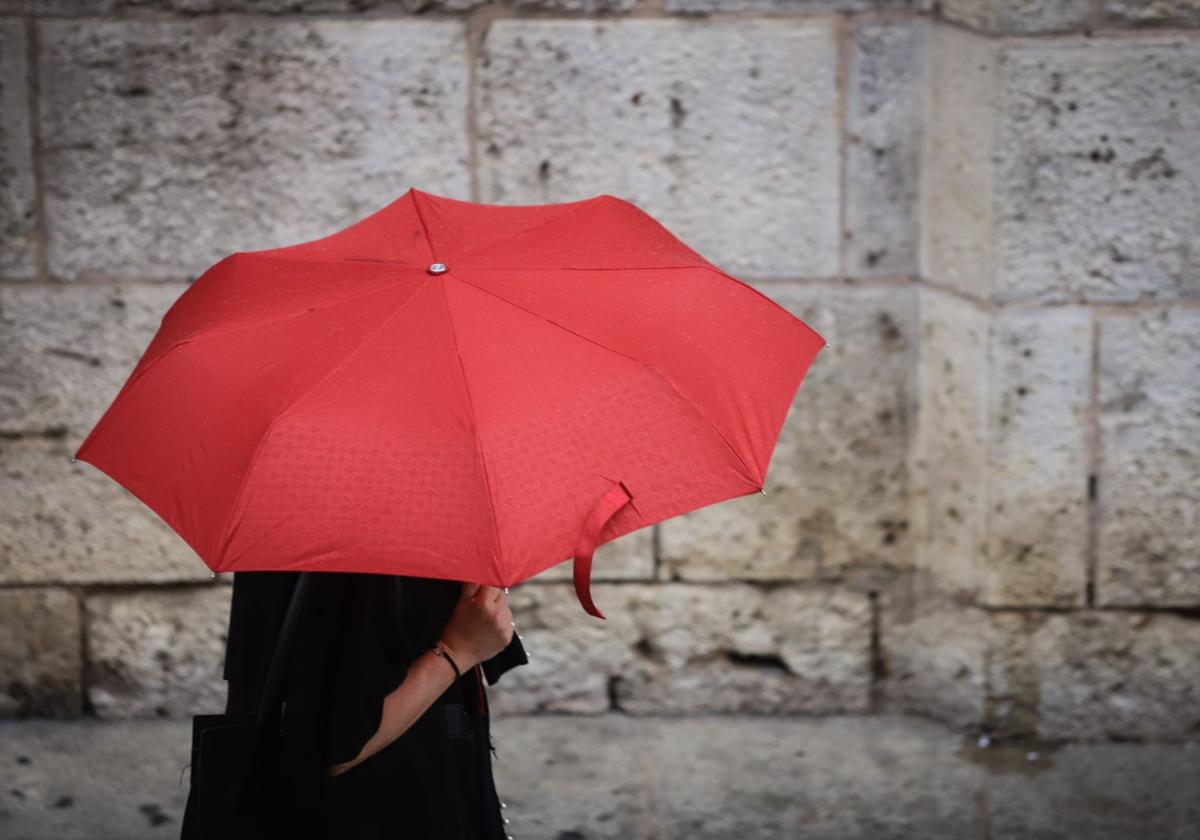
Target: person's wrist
462,659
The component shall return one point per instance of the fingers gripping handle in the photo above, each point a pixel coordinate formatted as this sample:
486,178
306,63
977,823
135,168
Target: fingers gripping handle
611,502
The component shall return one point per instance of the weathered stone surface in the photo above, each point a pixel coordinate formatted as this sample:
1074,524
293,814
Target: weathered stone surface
680,649
1149,483
65,351
1018,15
68,522
682,117
56,7
599,788
1125,12
294,7
956,196
1099,170
170,144
16,157
934,653
40,664
716,779
999,459
89,779
883,124
157,651
1027,139
816,6
629,557
1037,456
1094,675
836,486
612,776
948,457
1094,790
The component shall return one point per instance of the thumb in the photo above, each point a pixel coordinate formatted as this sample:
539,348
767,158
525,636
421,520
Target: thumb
468,589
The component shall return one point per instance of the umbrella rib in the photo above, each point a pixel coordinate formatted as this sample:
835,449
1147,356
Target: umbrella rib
700,411
487,483
227,531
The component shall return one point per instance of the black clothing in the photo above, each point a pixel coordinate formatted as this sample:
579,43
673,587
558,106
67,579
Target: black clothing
356,636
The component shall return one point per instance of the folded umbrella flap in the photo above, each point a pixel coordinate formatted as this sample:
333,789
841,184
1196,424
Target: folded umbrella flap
612,501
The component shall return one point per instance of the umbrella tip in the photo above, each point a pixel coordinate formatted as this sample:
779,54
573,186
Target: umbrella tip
827,344
72,459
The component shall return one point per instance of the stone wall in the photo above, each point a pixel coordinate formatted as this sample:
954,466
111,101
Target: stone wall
983,507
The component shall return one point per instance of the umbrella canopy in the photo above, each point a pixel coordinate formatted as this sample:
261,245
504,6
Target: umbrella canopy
454,390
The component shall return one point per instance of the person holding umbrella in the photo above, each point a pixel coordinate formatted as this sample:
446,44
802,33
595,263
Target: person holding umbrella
442,392
385,729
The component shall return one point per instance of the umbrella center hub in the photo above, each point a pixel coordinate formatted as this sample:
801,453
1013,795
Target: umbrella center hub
437,268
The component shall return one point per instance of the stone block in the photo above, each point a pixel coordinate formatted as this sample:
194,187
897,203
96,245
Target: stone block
66,522
1151,12
725,131
999,459
17,210
836,485
804,6
170,144
597,767
852,778
883,124
957,210
1062,171
1092,790
67,349
934,651
52,8
1149,483
1094,676
157,652
1019,16
685,649
40,664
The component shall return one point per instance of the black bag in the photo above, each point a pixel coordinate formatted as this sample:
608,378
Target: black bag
232,753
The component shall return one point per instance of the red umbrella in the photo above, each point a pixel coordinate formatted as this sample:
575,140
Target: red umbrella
453,390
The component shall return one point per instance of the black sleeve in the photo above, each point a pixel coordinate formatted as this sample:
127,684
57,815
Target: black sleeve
507,659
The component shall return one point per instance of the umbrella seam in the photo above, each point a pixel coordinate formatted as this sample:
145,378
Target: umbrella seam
704,416
487,483
584,268
227,530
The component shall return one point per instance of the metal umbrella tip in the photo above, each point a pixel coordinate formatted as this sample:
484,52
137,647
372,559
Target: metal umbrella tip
72,459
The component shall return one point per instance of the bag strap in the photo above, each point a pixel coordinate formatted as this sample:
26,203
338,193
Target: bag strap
269,706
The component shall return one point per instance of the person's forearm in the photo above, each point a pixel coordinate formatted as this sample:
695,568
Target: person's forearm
427,679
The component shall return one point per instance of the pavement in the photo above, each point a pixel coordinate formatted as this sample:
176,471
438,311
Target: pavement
575,777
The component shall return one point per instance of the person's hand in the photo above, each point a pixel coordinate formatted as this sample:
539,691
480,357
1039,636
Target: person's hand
480,626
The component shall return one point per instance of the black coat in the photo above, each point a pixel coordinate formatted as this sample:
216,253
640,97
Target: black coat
356,636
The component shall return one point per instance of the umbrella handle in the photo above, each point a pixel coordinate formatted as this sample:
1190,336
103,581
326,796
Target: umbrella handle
611,502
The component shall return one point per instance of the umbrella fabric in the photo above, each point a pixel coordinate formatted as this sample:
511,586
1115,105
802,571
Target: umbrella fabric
454,390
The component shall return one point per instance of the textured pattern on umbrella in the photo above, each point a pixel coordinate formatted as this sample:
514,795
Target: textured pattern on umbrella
453,390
